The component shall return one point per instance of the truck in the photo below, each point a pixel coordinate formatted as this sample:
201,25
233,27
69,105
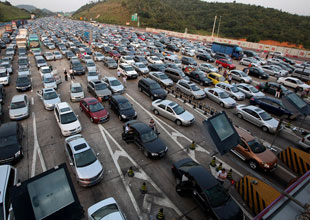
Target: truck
234,51
8,28
21,41
34,43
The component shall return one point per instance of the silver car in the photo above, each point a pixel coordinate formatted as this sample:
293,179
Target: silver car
86,166
98,56
49,98
19,107
232,90
241,76
258,117
4,76
208,68
98,210
114,85
76,92
219,96
49,56
57,55
173,112
274,70
190,89
92,75
161,78
91,66
249,60
304,143
249,90
24,71
141,68
49,81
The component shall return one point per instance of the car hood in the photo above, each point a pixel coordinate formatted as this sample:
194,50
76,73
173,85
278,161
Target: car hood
128,112
272,123
267,157
199,93
9,151
186,116
50,85
103,92
77,94
229,100
167,81
229,211
52,101
258,94
71,126
117,88
155,146
158,91
89,171
20,111
90,78
99,114
22,84
4,78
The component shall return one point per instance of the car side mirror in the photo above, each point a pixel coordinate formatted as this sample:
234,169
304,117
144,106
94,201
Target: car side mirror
77,116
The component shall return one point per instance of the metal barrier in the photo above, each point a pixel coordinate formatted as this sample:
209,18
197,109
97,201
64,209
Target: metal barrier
255,193
295,159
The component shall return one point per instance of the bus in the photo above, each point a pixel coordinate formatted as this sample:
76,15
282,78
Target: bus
34,43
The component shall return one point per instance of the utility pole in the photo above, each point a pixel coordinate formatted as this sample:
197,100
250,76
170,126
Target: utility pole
218,28
138,21
214,25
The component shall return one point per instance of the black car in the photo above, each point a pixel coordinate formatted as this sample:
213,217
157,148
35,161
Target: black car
271,88
23,83
145,138
77,68
172,47
258,72
2,45
287,60
11,135
205,189
140,59
205,57
122,108
69,54
199,77
151,88
219,55
188,61
271,105
2,94
157,67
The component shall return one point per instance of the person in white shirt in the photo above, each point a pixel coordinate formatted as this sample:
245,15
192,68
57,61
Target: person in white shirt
221,175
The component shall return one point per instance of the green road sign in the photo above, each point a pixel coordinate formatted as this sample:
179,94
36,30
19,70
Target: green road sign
134,17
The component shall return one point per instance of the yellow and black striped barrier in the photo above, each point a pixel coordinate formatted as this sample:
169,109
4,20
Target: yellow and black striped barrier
255,193
295,159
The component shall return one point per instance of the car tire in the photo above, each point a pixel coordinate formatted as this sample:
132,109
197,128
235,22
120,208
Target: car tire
178,122
239,116
146,154
140,88
156,112
253,164
260,77
152,97
265,129
120,117
201,83
242,81
222,104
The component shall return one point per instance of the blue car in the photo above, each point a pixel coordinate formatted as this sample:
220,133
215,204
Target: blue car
271,105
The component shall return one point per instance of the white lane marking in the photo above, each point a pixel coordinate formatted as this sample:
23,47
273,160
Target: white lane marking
32,101
142,174
176,134
36,149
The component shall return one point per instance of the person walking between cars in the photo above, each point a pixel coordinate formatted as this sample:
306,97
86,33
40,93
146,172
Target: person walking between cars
221,175
153,126
125,80
71,74
66,75
296,89
229,78
278,92
118,73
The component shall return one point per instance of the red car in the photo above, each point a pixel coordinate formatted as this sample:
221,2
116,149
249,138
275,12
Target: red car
114,54
226,64
94,110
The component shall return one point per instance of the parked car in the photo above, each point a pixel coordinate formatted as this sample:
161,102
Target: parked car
293,83
57,55
128,70
254,153
110,63
274,71
87,168
246,61
5,78
258,72
205,189
23,83
114,54
2,94
175,74
66,119
140,59
216,78
127,60
94,109
76,92
205,57
19,107
98,56
49,56
23,71
225,63
190,89
114,85
91,66
199,77
92,75
11,136
145,138
122,108
249,90
271,88
99,89
232,90
188,61
240,76
258,117
49,81
208,68
161,78
154,60
141,68
173,112
49,98
157,67
151,88
221,97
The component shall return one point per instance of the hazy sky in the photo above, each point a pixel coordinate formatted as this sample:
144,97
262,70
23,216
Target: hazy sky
301,7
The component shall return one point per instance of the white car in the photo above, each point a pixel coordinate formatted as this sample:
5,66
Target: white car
49,81
98,56
249,60
232,90
49,56
91,66
67,120
154,60
106,209
92,75
4,76
127,70
114,85
57,55
293,83
127,60
19,107
45,70
249,90
76,92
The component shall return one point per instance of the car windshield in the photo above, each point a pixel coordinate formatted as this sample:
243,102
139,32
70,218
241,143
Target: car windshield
128,68
104,211
7,141
228,62
163,76
22,80
45,70
23,69
155,86
265,116
110,61
41,61
195,88
178,110
17,105
256,147
234,89
155,58
93,73
67,118
3,74
115,83
84,158
299,82
253,89
50,95
91,64
76,89
217,195
49,80
96,107
223,95
148,136
100,86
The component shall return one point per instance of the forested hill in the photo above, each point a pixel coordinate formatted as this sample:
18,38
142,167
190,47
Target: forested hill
9,12
238,20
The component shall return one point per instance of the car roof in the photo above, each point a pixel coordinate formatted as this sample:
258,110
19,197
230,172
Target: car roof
46,90
254,108
168,102
141,127
119,98
18,98
203,177
64,106
8,128
148,80
269,98
76,84
78,145
4,169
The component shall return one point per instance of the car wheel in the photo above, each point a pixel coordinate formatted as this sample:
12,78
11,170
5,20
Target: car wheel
260,77
152,97
140,89
178,122
81,109
156,112
146,154
201,83
92,120
265,129
120,117
239,115
253,164
222,104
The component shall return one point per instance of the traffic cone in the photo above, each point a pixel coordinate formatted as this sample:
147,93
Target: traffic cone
213,162
143,189
192,146
160,214
229,177
130,172
219,167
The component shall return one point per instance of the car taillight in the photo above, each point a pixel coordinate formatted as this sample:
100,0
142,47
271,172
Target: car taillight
257,87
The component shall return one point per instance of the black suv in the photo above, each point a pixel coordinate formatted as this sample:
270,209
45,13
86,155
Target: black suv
255,71
205,57
23,83
157,67
188,61
199,77
145,138
173,48
205,189
77,68
152,89
122,108
11,135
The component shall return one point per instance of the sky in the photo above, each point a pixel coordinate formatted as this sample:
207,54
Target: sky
300,7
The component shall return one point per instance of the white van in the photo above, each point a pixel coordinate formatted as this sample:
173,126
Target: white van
9,178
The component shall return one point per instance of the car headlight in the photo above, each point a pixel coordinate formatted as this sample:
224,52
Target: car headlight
266,165
123,116
95,117
17,154
154,154
155,95
135,113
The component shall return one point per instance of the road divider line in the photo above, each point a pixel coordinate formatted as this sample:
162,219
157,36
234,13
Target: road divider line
32,101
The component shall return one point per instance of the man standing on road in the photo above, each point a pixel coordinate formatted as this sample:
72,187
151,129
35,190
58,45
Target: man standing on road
71,74
66,75
125,80
221,175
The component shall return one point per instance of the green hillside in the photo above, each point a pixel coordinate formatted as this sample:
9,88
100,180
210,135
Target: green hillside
9,12
238,20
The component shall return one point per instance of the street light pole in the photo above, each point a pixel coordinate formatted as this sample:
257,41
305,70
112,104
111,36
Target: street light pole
218,28
214,25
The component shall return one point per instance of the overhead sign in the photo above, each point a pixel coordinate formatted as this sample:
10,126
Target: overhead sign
134,17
